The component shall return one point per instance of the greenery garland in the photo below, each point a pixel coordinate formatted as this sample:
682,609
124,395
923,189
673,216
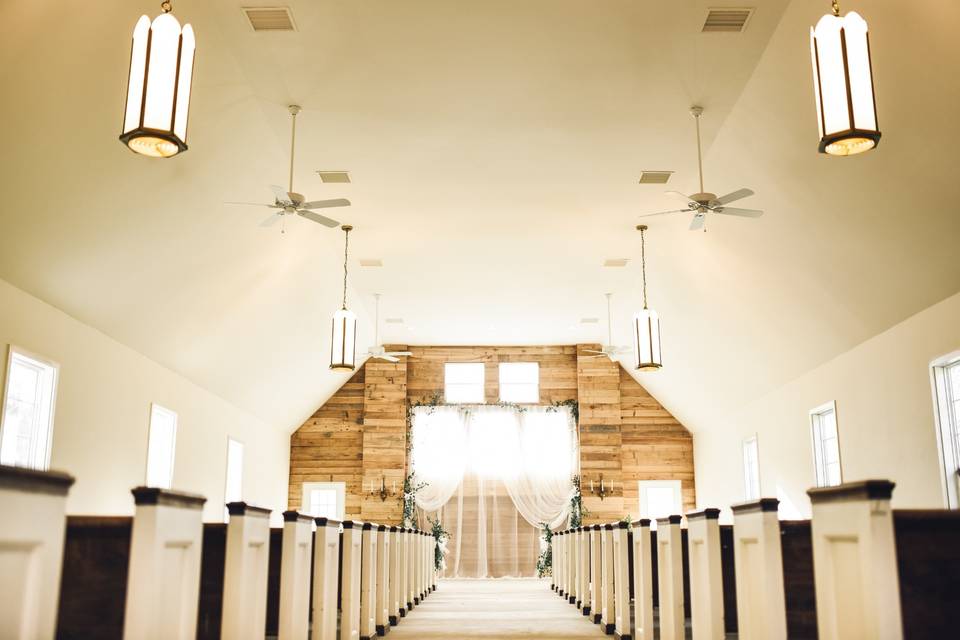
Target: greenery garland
439,550
410,488
545,561
577,511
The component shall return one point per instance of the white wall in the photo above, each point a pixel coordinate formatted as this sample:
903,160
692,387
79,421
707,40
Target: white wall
103,413
885,416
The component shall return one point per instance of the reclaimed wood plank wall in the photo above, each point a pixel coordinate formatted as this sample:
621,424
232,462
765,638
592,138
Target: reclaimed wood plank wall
359,436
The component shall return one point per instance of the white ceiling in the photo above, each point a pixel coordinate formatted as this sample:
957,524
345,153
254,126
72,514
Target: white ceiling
495,149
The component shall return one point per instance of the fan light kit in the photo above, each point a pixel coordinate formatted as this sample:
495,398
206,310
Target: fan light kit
843,84
608,350
377,351
343,337
289,202
700,204
646,323
158,86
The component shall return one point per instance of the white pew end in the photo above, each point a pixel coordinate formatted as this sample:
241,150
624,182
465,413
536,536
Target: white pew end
326,567
670,578
294,622
706,578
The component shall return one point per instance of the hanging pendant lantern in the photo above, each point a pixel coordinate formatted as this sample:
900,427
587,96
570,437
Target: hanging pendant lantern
646,323
343,339
843,84
158,87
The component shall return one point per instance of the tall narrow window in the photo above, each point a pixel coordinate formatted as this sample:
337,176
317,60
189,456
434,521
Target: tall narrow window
234,488
26,427
161,446
324,499
520,382
826,445
946,381
463,382
659,499
751,469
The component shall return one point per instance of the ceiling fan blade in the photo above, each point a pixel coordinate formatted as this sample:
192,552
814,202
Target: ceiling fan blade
733,195
316,217
398,353
386,357
683,197
593,351
697,223
254,204
734,211
272,220
661,213
280,194
325,204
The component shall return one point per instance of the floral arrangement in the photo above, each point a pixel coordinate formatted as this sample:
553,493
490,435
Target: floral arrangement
410,488
545,561
440,550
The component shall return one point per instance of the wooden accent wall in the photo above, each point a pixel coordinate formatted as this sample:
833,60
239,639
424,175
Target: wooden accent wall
359,435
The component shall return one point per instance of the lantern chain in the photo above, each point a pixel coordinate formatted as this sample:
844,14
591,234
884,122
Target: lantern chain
836,8
346,244
166,6
643,263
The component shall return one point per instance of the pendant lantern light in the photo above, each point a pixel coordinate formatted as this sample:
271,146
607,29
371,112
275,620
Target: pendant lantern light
343,339
646,323
843,84
158,87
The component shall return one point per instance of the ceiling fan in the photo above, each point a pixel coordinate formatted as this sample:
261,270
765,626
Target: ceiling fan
377,351
700,204
289,202
608,350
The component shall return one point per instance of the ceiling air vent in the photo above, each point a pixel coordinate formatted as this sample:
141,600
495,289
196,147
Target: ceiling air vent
589,320
616,262
727,19
655,177
270,18
371,262
394,320
334,176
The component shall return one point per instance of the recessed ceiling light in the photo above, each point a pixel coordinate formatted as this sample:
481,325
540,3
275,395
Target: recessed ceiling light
334,176
655,177
394,320
616,262
371,262
589,320
270,18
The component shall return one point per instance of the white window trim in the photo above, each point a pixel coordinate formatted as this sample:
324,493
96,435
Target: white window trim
173,445
535,384
743,451
53,398
226,473
643,508
947,448
340,487
814,414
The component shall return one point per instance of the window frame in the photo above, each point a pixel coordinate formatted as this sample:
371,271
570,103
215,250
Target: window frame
644,509
43,360
483,383
535,384
226,479
155,407
947,425
339,486
819,469
747,492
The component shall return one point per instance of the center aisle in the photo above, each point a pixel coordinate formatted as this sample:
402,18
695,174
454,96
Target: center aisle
502,608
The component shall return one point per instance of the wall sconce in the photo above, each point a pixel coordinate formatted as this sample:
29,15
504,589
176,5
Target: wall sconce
383,492
599,490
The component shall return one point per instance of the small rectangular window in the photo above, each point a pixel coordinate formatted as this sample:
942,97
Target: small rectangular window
324,499
826,445
946,380
463,382
161,446
751,469
520,382
26,427
233,492
659,499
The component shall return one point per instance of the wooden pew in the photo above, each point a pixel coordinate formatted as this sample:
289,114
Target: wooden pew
596,580
643,558
32,525
293,617
669,550
396,578
368,581
351,551
622,621
383,603
706,578
326,579
728,571
607,604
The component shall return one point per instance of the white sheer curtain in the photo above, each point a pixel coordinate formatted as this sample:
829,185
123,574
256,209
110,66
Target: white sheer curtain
493,475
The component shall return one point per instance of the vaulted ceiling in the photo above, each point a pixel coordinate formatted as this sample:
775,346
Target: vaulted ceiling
494,149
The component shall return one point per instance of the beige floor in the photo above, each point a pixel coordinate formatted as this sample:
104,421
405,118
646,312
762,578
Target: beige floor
502,608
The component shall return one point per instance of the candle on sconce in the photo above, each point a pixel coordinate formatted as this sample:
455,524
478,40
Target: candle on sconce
591,485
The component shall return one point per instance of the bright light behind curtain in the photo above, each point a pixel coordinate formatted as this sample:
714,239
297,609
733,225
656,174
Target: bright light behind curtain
487,465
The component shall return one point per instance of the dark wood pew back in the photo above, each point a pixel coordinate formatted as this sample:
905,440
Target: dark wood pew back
799,596
729,579
928,563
